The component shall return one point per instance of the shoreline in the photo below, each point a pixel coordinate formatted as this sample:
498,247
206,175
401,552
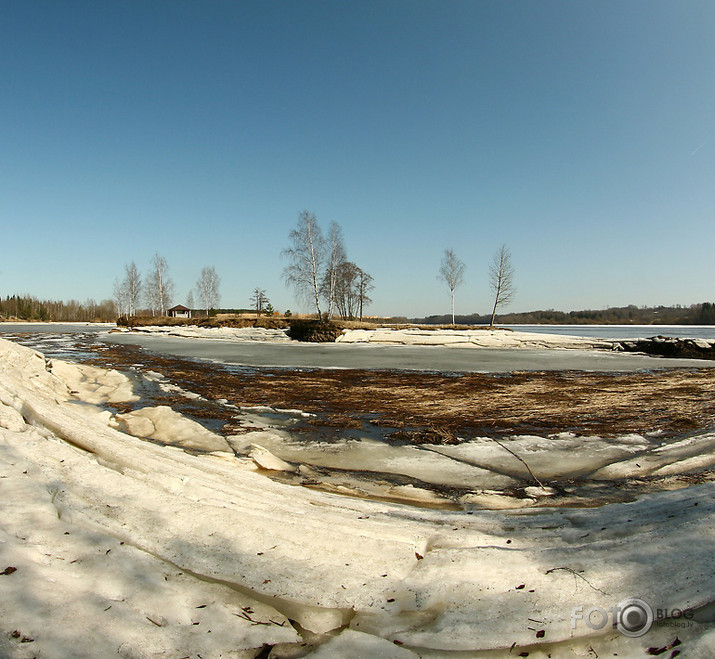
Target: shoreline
356,415
508,397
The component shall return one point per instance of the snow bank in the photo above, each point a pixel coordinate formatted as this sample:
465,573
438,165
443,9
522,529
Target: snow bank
372,455
162,424
222,333
481,472
484,338
496,338
124,547
94,385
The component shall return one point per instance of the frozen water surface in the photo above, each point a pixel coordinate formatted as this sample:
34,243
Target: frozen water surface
426,358
269,349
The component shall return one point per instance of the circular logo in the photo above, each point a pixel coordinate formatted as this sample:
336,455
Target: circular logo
634,617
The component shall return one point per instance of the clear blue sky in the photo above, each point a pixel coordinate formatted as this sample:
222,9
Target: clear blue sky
581,134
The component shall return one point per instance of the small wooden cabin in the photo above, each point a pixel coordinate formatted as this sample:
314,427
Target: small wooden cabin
179,311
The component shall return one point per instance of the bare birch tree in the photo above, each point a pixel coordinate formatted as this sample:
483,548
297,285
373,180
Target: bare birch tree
127,292
306,255
120,299
159,288
336,257
132,285
451,271
207,287
501,279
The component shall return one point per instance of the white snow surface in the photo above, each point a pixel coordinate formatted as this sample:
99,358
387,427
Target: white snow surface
222,333
480,338
123,547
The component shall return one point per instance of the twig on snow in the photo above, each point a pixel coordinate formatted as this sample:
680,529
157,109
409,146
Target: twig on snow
270,622
576,574
520,459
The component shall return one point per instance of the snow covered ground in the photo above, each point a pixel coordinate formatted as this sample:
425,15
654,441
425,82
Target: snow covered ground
218,333
112,545
482,338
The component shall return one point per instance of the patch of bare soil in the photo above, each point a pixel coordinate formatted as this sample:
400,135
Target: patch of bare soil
440,408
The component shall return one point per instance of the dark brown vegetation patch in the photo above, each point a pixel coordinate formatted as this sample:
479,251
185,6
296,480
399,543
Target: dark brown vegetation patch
438,408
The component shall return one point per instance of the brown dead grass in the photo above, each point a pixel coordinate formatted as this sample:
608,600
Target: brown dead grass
671,401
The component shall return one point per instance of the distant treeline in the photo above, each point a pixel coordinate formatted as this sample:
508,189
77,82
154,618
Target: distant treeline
26,307
696,314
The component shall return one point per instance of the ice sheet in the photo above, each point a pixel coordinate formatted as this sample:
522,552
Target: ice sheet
483,338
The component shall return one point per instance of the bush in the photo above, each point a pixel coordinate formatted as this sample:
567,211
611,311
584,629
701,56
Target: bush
314,331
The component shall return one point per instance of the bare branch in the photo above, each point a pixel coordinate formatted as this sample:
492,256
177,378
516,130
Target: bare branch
520,459
575,574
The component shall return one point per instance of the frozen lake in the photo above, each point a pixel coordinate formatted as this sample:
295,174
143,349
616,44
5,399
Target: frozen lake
425,358
623,331
64,340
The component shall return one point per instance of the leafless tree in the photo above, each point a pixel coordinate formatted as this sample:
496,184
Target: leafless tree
352,286
190,300
346,301
132,287
306,255
90,308
207,287
259,300
159,288
365,285
501,279
451,271
336,257
121,304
